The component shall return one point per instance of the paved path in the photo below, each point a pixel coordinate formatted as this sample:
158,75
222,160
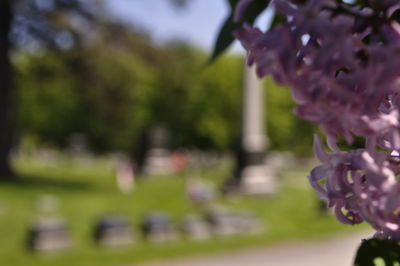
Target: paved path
335,251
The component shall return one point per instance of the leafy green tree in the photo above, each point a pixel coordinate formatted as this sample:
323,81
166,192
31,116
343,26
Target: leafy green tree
101,90
46,99
115,98
32,25
286,132
215,103
114,88
199,104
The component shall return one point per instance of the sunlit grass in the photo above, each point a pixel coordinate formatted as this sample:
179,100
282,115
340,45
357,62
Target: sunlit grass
86,192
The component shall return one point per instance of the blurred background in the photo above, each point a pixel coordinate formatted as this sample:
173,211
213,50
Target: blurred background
117,137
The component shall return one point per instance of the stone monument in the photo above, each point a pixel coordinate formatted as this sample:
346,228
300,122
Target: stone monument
158,228
113,231
195,228
252,176
227,223
199,191
154,155
48,233
124,175
221,223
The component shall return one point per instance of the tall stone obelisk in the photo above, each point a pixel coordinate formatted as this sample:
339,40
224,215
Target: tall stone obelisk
251,175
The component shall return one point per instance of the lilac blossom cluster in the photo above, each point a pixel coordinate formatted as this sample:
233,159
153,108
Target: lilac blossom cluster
342,61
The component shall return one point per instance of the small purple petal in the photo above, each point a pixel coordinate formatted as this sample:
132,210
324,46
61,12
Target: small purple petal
319,150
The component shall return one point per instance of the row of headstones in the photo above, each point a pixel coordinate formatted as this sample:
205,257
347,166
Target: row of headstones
113,231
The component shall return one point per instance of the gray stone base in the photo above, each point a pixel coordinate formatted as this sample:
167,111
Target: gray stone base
157,163
257,180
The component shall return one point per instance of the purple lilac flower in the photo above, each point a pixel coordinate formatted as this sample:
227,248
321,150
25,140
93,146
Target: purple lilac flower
342,62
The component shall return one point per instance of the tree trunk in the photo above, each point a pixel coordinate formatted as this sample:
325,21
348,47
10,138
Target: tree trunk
6,92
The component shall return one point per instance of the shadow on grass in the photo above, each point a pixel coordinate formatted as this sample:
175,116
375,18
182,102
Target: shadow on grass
40,182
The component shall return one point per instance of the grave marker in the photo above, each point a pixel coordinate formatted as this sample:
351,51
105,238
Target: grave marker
113,231
157,227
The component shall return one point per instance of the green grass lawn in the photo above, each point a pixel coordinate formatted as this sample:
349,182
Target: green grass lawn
87,192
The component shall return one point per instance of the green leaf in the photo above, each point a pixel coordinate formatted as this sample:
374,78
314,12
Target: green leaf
225,36
374,250
233,3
